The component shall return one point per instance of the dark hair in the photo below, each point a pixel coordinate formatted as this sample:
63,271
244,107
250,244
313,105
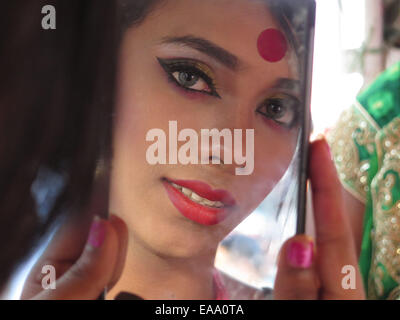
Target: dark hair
133,12
56,97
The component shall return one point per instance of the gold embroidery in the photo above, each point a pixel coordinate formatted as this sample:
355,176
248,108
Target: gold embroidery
386,209
388,138
371,295
353,127
394,294
366,115
376,288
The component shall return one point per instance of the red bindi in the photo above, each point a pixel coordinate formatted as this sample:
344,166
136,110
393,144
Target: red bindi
272,45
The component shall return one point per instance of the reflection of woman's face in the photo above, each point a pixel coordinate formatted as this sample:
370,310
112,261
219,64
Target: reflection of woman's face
196,62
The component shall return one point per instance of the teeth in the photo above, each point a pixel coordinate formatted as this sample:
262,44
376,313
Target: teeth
208,202
187,192
196,198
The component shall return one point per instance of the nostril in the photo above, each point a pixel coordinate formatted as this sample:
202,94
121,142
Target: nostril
218,160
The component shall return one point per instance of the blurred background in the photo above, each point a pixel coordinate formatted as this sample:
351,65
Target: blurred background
355,40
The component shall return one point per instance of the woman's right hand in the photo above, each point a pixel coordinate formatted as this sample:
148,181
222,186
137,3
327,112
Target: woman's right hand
87,254
309,269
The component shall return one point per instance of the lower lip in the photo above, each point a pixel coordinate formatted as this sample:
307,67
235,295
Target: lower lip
194,211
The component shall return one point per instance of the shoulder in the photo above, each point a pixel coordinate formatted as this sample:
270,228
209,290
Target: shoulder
381,99
238,290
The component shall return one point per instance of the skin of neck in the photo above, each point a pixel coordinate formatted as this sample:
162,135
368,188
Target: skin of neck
155,277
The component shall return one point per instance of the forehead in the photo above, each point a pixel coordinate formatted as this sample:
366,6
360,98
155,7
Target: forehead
234,25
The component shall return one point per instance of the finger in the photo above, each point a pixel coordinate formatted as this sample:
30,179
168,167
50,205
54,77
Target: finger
297,278
94,269
63,250
334,238
67,243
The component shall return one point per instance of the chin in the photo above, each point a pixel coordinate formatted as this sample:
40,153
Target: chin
181,241
162,230
183,250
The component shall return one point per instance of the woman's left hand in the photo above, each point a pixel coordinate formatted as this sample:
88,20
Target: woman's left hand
326,268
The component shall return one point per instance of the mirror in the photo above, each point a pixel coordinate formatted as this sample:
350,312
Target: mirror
210,108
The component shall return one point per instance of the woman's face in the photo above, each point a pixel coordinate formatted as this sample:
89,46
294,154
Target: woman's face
197,63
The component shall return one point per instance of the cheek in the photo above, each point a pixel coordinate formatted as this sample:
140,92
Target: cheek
134,118
129,134
272,159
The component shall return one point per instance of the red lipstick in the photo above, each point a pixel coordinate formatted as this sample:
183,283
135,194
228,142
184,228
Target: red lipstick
202,214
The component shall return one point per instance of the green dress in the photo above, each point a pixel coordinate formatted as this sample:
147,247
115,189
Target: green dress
365,145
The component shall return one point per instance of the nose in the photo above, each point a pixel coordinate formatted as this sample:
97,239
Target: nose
216,148
224,148
229,143
241,118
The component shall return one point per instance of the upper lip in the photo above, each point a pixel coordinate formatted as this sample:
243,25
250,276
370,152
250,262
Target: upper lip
206,191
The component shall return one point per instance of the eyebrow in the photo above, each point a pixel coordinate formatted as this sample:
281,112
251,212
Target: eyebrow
207,47
288,84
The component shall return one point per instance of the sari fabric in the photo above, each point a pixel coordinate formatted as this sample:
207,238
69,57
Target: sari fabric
365,146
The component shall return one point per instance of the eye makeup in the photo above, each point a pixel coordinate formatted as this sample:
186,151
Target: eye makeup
196,77
281,108
190,75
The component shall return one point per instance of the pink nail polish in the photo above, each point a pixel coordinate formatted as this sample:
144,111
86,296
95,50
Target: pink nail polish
300,255
97,233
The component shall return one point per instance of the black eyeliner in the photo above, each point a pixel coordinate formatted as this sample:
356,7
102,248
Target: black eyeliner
176,65
296,111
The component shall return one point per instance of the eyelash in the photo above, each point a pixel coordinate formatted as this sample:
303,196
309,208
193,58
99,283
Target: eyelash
281,102
170,66
174,65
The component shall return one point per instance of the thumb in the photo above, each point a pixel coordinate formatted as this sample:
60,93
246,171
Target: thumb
91,273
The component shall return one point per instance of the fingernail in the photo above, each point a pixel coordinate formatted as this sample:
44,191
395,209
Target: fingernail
97,232
300,254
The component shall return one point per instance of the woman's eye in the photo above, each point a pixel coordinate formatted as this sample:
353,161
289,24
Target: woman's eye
281,110
190,75
191,81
